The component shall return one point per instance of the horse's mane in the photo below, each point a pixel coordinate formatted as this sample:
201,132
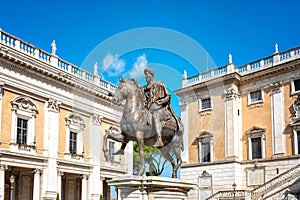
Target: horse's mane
139,88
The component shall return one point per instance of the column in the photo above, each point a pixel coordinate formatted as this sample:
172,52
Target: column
232,123
36,184
51,144
59,175
185,121
277,110
2,181
84,187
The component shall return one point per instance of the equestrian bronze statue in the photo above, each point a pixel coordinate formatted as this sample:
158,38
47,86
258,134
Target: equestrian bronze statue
147,119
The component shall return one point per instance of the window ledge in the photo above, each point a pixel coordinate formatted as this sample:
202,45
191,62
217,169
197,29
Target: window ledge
256,104
23,148
74,156
206,111
295,92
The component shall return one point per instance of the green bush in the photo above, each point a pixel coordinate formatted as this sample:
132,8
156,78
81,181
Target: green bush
57,196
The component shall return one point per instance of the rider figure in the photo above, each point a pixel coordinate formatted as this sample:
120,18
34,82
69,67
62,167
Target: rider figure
157,102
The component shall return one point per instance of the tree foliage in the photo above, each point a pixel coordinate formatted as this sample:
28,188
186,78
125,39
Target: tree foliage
153,158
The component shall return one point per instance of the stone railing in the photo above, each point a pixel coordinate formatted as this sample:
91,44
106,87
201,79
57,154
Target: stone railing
238,194
53,60
276,182
271,61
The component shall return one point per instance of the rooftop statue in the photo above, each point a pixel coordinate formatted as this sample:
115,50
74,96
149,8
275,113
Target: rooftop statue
147,119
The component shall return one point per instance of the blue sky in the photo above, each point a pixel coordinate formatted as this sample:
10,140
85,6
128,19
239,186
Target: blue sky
246,29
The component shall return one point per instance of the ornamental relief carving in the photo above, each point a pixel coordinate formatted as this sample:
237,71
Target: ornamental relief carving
296,107
75,120
25,104
276,87
183,105
232,93
53,105
97,119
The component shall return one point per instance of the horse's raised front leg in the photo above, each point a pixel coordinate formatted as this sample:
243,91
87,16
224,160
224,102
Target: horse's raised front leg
140,142
115,134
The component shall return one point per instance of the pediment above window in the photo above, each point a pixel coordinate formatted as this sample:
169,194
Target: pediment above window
24,104
75,119
255,131
295,124
204,134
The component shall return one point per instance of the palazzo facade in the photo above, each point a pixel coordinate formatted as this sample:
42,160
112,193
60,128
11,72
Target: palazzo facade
53,118
242,136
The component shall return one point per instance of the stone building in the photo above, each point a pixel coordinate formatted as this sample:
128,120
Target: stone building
242,135
53,117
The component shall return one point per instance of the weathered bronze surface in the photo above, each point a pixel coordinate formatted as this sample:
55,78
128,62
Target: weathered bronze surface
147,119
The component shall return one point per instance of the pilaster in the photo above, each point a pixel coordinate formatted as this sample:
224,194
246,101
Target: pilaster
2,181
94,150
36,184
185,119
94,183
94,137
84,187
1,93
277,110
232,123
51,134
59,175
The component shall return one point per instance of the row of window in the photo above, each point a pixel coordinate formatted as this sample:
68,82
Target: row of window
253,97
22,134
256,147
24,112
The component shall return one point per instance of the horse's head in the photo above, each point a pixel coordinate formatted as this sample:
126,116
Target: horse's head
123,90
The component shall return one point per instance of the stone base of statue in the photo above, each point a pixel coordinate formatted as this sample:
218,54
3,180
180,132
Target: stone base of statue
151,188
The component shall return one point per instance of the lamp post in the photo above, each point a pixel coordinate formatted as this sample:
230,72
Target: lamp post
11,180
234,187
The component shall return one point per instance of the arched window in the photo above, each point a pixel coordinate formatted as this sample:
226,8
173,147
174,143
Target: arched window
205,147
24,111
74,135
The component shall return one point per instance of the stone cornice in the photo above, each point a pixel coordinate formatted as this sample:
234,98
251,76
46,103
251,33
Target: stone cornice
28,63
185,165
241,79
14,82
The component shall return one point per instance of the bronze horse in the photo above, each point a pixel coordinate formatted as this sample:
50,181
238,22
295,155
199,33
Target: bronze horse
136,126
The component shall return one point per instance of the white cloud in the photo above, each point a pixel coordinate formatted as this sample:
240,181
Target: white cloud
113,65
138,67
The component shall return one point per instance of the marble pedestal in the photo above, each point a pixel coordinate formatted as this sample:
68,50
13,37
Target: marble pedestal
151,188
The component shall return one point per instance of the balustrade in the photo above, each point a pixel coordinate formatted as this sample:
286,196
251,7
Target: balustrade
271,61
19,45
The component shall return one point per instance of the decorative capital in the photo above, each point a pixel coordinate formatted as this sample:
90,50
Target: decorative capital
296,107
53,105
97,119
84,176
37,171
60,173
3,167
276,87
183,105
232,93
